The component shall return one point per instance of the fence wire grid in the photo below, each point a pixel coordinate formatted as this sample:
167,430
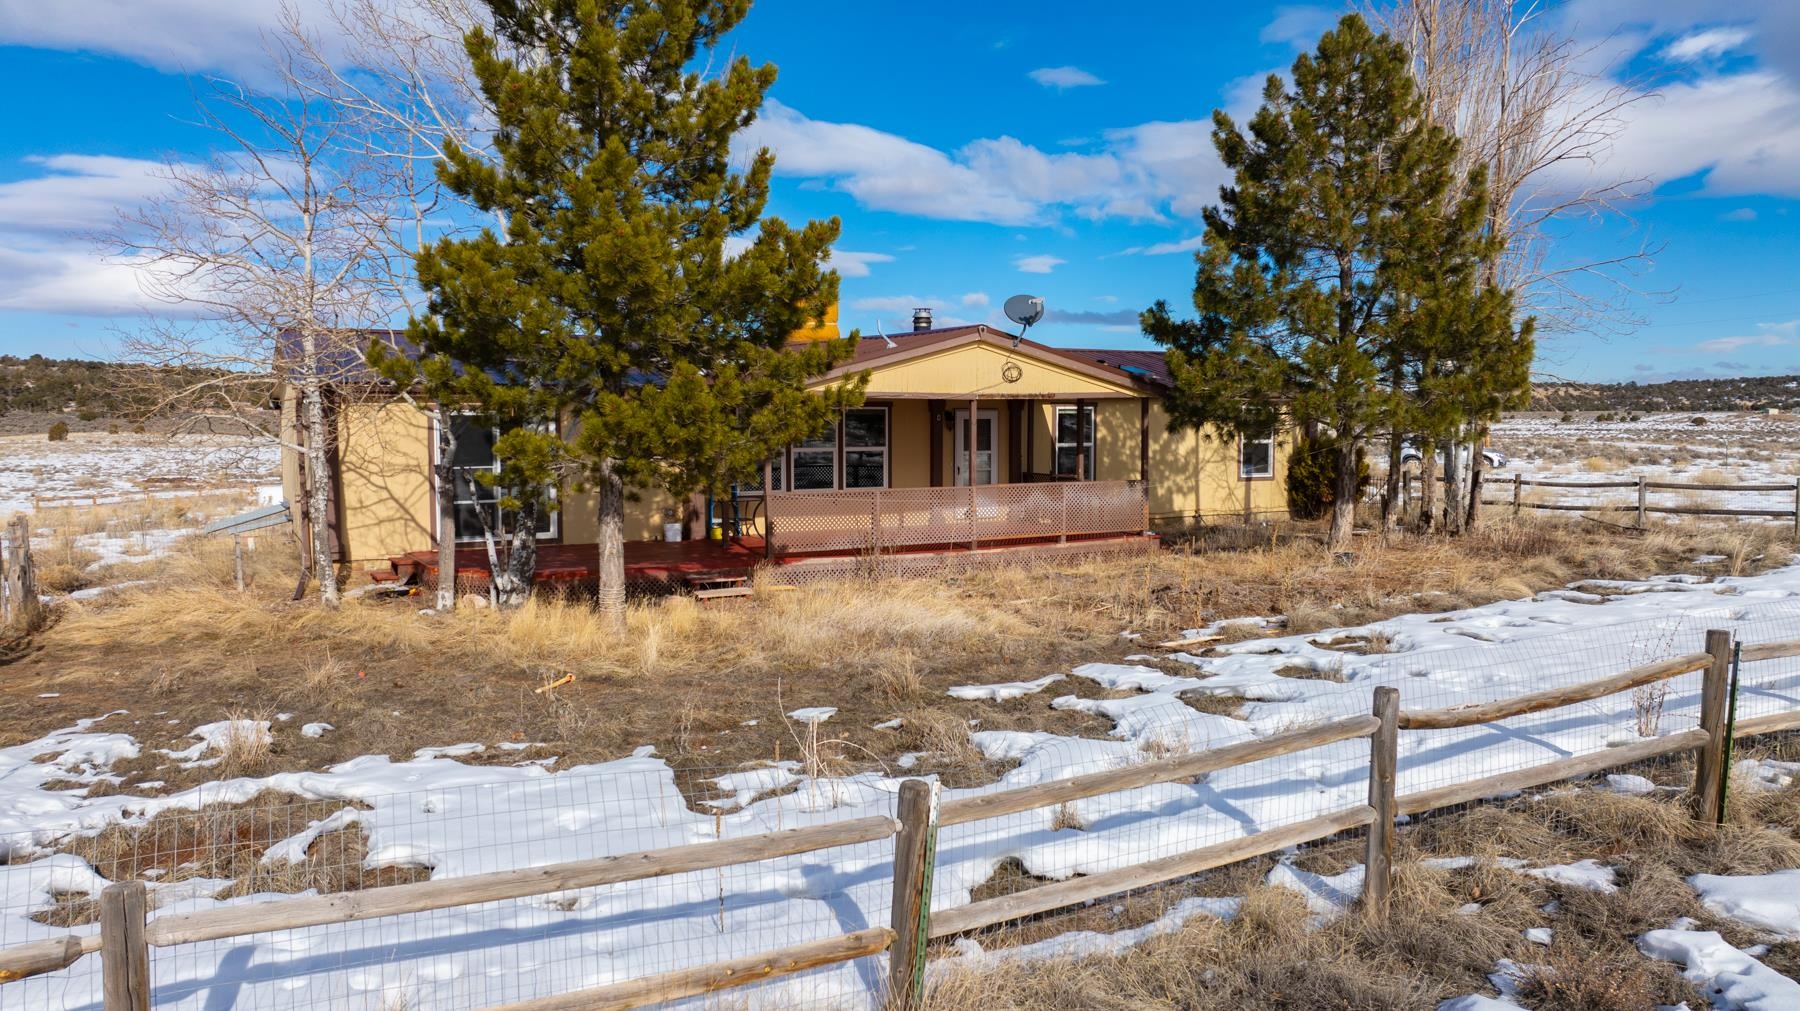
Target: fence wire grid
374,822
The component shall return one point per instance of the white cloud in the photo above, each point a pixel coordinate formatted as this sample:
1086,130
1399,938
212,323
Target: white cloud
1707,42
50,260
1741,129
1300,25
1186,245
975,299
172,35
894,312
1063,78
1043,263
1141,173
1772,335
853,264
1739,214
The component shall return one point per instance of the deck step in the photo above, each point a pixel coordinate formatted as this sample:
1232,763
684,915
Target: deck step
385,577
716,592
716,577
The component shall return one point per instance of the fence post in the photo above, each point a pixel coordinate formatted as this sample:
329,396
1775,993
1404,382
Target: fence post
915,856
1378,865
237,558
1797,508
21,582
1640,509
1518,482
1709,769
124,955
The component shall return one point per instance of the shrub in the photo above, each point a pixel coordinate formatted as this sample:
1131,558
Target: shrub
1603,416
59,432
1566,418
1697,420
1312,477
88,414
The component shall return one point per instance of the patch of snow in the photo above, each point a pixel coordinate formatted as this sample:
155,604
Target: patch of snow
315,729
1768,902
1589,874
1730,977
813,714
1004,690
1635,786
1326,895
1539,935
1086,943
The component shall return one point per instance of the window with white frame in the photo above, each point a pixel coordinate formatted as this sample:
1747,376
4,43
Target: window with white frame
1256,455
1072,423
865,447
476,500
815,461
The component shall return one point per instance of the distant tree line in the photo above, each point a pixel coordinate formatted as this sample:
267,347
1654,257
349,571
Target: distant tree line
1741,393
94,389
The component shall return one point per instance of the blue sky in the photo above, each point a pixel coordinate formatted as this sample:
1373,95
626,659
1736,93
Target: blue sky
976,150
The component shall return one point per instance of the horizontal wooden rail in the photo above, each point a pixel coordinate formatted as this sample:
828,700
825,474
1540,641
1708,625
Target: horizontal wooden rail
37,957
1773,723
1162,770
443,893
706,979
1683,486
1544,483
1549,772
1770,650
1601,507
1088,887
1552,698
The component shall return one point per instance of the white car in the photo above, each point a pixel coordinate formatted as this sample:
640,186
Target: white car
1490,458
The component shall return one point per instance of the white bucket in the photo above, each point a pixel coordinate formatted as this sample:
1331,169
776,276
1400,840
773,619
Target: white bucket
671,532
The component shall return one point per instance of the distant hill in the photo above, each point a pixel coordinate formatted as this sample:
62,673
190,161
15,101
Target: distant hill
1745,393
87,394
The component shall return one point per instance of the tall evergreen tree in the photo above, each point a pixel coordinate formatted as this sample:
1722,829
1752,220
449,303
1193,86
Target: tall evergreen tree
1330,239
609,295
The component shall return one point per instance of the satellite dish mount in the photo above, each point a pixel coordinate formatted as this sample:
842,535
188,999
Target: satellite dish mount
1024,310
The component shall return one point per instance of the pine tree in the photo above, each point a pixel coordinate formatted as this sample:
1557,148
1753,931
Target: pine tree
1331,236
610,294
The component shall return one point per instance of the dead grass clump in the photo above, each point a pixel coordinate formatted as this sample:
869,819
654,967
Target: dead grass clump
897,673
1600,977
231,841
942,737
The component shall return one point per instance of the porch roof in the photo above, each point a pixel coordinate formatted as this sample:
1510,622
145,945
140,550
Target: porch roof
978,361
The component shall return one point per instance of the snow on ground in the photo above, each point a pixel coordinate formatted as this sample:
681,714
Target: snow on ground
111,467
434,812
1767,902
1730,977
1727,448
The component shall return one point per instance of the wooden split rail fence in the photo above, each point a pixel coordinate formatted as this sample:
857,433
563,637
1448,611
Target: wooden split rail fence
19,603
1642,509
128,931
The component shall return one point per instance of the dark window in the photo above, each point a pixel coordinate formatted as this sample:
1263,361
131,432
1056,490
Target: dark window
475,499
1069,443
1256,455
815,462
865,447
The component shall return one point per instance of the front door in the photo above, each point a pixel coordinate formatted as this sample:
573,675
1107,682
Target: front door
986,424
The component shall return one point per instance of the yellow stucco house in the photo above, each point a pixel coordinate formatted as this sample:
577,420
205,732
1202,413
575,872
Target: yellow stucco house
970,439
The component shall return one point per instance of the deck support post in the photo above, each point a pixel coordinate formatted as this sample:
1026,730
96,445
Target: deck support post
768,513
237,559
1709,768
915,854
974,427
1797,508
1518,482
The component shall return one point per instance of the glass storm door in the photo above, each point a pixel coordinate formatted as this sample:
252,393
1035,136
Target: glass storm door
985,424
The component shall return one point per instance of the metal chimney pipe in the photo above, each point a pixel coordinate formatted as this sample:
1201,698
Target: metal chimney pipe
921,318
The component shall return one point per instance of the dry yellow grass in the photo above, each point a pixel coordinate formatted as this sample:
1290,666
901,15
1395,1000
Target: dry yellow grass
687,676
1449,928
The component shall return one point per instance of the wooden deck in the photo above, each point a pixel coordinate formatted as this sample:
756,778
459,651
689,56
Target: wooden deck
683,564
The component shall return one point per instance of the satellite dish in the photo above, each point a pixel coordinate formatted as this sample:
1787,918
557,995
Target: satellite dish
1024,310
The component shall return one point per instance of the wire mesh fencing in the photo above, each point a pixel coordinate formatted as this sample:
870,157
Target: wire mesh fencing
374,822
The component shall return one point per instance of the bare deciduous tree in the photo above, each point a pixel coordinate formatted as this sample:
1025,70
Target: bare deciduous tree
272,254
1528,105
